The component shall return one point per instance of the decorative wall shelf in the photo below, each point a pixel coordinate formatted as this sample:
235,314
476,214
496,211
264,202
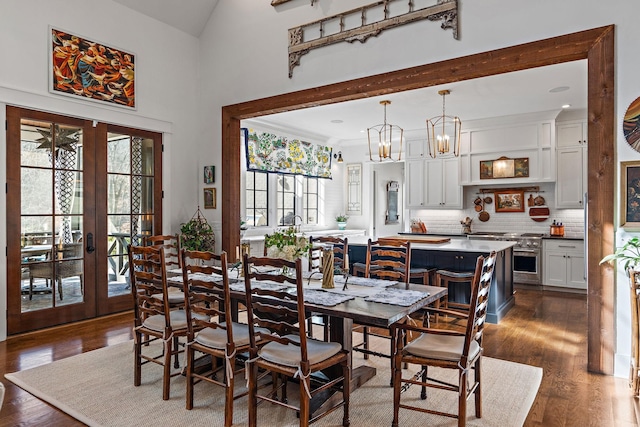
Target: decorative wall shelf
350,27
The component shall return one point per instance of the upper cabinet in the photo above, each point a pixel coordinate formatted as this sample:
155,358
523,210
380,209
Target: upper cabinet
415,148
571,184
530,136
571,134
434,183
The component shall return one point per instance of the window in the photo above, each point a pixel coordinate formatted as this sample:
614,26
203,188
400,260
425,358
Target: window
257,195
296,199
310,200
286,200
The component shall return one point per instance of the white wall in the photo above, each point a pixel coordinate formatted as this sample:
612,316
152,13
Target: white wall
244,56
167,71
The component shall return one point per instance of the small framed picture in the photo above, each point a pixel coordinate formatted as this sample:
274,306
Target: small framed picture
630,195
509,201
209,174
209,198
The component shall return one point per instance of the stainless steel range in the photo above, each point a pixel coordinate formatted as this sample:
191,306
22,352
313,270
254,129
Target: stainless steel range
527,254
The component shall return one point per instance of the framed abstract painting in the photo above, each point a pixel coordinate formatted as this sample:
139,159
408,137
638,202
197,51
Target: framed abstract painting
90,70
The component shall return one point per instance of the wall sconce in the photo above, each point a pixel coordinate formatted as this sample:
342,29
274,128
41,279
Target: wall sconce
338,156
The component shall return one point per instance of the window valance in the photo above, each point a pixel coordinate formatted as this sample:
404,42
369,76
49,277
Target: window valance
267,152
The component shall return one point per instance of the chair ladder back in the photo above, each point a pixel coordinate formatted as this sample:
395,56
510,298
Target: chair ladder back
171,245
388,259
265,307
340,248
479,300
204,296
147,274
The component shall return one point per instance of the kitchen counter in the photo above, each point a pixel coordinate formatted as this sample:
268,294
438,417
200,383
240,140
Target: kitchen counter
460,255
454,245
567,236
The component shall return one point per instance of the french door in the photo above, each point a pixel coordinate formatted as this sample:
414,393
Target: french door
77,195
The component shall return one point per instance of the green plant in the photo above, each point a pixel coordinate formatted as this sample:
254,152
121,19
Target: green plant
197,234
286,244
342,218
629,253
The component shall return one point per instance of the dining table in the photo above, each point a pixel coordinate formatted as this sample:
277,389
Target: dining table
364,301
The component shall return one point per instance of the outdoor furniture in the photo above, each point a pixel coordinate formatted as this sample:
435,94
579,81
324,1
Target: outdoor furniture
66,262
446,348
287,351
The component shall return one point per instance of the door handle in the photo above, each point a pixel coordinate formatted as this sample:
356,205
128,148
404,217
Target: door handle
90,247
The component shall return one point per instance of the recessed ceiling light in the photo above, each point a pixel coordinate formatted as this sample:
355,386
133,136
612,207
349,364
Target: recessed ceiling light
565,106
336,121
559,89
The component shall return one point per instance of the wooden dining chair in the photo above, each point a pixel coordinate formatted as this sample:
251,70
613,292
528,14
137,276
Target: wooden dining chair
287,351
173,262
154,319
386,259
211,331
340,255
446,348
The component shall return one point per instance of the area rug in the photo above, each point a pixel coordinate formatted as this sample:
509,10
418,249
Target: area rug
97,389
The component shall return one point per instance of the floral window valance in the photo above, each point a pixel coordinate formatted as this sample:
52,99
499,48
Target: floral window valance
267,152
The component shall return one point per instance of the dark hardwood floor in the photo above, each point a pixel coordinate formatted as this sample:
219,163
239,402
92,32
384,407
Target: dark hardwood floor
545,329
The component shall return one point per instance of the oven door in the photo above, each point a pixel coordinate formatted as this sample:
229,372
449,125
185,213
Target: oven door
526,266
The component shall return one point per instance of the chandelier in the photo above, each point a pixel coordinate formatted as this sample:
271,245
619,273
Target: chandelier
443,132
388,137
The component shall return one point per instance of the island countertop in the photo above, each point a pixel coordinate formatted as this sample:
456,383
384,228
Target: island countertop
454,245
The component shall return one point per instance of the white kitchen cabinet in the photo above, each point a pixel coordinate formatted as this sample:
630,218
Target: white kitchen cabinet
572,133
571,175
416,149
434,183
564,264
571,163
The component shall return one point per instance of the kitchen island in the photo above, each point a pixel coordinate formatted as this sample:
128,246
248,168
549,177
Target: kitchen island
459,255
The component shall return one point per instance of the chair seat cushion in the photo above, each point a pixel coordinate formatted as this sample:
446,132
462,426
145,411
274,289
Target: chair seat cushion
176,296
456,274
289,355
441,347
419,270
178,320
217,338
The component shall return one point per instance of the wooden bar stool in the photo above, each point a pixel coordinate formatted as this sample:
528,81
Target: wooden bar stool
444,277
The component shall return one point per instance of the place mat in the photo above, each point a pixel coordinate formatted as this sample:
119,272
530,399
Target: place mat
266,285
323,297
400,297
364,281
196,276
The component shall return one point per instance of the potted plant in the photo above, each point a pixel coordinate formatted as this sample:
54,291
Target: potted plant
629,254
342,221
197,234
286,244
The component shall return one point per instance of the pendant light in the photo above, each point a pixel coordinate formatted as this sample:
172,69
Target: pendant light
443,132
385,138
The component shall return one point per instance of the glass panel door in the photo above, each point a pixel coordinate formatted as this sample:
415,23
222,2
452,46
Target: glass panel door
132,205
47,265
77,196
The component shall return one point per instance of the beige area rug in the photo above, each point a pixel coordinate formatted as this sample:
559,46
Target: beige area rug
97,389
